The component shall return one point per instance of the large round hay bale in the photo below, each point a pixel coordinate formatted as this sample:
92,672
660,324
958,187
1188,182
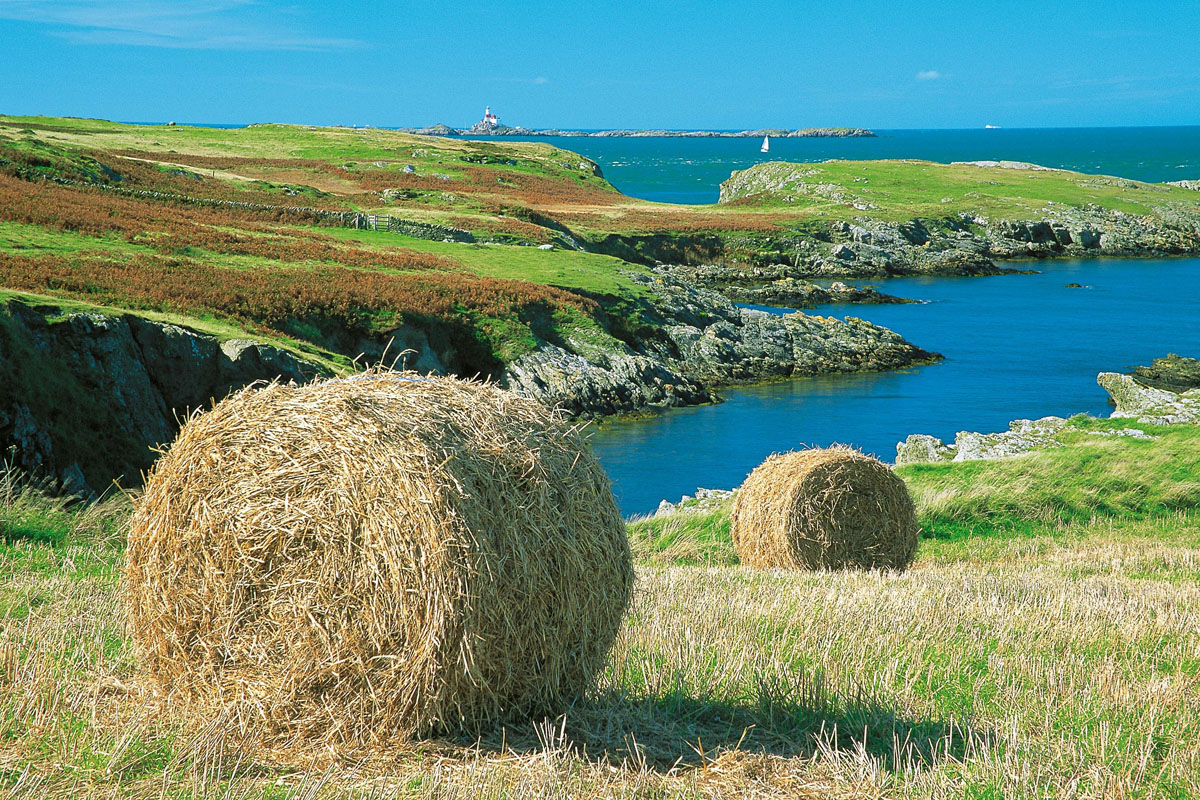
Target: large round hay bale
824,509
361,560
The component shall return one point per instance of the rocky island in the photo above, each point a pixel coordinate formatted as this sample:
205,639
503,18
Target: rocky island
483,129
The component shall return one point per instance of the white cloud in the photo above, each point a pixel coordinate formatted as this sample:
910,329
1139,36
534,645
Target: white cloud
928,75
182,24
540,80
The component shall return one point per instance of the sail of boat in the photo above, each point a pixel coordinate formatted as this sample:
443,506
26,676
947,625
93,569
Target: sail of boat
766,145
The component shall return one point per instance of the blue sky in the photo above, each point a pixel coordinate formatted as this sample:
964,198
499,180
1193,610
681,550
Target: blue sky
598,64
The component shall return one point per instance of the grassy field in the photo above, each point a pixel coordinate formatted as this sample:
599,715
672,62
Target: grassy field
518,188
1041,648
138,217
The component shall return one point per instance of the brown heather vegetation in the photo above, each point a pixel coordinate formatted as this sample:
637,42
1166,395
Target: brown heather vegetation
96,212
470,178
360,301
285,248
538,201
172,229
129,172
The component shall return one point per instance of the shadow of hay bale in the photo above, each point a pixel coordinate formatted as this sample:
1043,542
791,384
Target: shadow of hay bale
669,732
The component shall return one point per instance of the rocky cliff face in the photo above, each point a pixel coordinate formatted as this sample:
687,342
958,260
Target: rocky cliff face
704,341
1149,405
85,396
966,244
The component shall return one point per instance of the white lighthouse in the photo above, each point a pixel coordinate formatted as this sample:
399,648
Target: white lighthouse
490,120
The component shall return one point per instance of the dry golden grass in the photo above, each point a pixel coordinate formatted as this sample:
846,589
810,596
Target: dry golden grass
342,565
824,508
1060,665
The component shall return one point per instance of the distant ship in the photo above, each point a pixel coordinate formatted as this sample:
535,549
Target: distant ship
991,127
766,146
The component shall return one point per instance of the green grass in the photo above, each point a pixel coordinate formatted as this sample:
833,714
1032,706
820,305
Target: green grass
18,238
1094,476
344,146
908,189
568,269
1040,493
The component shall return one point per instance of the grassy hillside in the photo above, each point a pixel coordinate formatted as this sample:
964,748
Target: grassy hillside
898,191
530,189
1039,647
89,233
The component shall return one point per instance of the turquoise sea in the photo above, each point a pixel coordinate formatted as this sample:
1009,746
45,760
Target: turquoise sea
1015,345
674,170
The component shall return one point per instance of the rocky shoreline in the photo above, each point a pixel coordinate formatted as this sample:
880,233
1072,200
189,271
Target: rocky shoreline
778,269
130,380
786,292
964,243
1146,405
702,341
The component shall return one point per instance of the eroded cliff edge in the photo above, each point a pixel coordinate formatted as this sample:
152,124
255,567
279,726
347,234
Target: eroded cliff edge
86,396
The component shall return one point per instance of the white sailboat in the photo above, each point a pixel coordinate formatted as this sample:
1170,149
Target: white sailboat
766,145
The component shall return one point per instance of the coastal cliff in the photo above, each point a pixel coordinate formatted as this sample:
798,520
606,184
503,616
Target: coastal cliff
881,219
87,394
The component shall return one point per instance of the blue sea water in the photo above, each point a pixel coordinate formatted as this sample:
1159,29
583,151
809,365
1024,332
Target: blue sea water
675,170
1015,345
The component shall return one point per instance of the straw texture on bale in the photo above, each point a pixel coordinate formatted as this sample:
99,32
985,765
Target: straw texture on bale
824,509
362,560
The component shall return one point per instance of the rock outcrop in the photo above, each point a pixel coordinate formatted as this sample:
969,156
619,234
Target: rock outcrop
755,287
703,501
702,341
86,396
1022,436
1148,405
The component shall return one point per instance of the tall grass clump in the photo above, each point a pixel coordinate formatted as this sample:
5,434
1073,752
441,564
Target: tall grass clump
1095,475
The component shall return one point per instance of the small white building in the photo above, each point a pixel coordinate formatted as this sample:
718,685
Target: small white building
490,119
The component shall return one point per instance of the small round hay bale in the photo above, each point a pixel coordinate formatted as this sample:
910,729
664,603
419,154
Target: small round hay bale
358,561
824,509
